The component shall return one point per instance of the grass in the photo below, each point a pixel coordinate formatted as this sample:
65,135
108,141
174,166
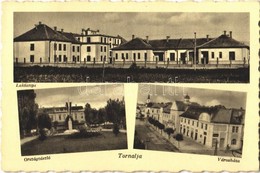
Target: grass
63,144
60,74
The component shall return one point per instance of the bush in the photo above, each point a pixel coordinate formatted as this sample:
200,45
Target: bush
116,129
84,133
178,137
43,134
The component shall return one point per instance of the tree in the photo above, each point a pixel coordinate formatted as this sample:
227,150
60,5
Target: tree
169,131
115,110
88,114
44,121
102,115
116,129
27,110
179,137
161,126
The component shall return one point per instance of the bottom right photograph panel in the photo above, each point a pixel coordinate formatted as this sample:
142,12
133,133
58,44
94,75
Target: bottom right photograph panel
190,120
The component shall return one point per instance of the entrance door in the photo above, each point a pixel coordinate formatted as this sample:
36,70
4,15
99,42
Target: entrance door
24,60
40,60
204,141
159,55
196,136
183,58
221,142
205,57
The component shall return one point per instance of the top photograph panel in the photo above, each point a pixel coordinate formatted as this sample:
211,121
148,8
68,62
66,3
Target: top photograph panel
138,47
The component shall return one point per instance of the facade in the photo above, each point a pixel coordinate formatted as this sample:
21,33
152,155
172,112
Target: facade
221,50
215,126
43,44
59,116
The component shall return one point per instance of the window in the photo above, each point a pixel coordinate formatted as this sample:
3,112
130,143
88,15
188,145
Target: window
116,56
181,119
64,58
206,126
78,58
78,48
172,56
88,49
145,56
201,125
88,40
88,58
59,58
55,58
59,46
220,54
32,47
139,56
31,58
232,56
197,124
101,38
126,56
101,58
73,48
212,55
233,142
73,58
188,121
134,55
193,123
101,48
59,117
234,129
122,56
64,47
105,49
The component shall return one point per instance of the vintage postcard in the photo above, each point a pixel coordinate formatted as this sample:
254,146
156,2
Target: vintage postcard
126,86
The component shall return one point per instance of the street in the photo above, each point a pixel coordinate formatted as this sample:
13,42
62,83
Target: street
153,141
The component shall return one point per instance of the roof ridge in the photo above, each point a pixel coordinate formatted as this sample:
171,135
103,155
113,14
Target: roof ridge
47,35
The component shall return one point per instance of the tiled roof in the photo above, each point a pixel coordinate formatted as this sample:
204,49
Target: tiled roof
134,44
70,36
219,114
55,109
155,105
163,44
181,106
223,41
41,32
167,107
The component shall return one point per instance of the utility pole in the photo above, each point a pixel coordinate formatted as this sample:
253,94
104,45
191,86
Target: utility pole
195,45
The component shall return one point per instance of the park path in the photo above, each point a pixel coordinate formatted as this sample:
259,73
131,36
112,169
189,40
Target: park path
28,139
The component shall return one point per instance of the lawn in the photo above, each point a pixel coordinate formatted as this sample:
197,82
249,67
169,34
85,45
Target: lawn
63,144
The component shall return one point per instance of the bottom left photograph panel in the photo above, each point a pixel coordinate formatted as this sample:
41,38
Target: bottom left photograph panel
72,119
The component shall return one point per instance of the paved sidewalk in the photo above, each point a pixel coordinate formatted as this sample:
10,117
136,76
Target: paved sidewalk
28,139
190,146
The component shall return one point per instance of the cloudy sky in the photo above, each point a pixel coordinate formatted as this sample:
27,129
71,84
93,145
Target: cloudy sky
96,95
155,25
205,97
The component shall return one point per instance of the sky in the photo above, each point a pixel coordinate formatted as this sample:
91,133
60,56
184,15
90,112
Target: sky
156,25
206,97
95,95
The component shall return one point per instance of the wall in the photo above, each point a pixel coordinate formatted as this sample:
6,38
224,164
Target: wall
240,53
22,50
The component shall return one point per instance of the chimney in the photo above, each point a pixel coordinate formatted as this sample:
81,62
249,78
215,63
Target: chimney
55,28
61,30
133,37
230,34
225,32
40,22
167,38
147,39
207,37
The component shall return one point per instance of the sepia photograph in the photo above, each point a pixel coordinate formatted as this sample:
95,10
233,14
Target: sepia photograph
169,47
190,120
72,119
